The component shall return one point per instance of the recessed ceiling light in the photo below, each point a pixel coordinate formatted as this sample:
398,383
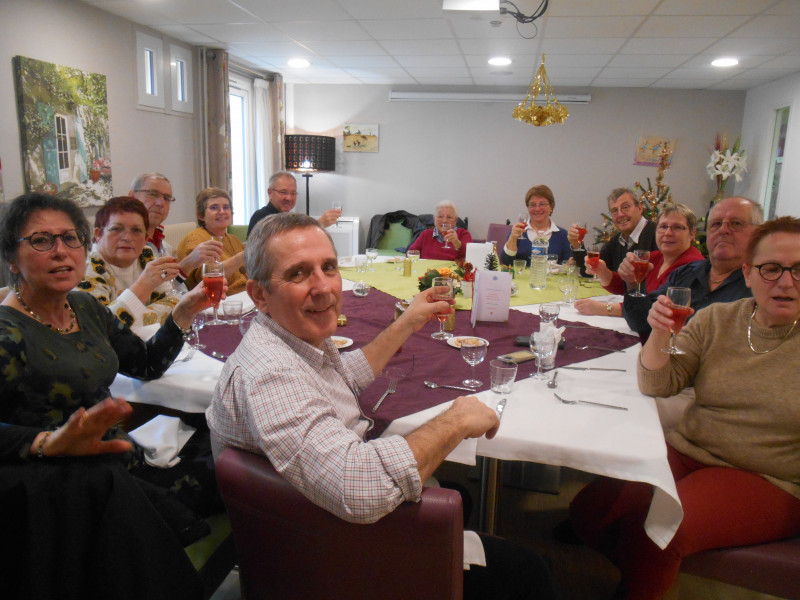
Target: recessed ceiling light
298,63
499,61
724,62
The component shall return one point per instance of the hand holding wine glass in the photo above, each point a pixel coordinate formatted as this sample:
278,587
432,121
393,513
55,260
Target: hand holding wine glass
679,300
213,285
443,292
473,351
445,228
641,259
337,205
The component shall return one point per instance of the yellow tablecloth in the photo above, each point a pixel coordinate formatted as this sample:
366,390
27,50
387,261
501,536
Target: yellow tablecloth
388,279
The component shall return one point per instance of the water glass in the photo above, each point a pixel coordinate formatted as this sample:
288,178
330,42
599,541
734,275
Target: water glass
568,289
548,312
552,264
502,375
361,263
372,254
414,256
232,311
519,266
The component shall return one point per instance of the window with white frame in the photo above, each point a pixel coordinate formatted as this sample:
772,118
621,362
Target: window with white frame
150,70
62,147
243,179
776,161
180,61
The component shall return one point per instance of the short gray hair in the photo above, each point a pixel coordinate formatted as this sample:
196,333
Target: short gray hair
682,210
277,175
445,204
621,191
140,179
756,212
259,261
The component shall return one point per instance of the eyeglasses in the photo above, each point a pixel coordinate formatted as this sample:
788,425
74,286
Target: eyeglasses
286,193
774,271
155,194
219,208
625,208
119,230
676,228
543,205
42,241
735,225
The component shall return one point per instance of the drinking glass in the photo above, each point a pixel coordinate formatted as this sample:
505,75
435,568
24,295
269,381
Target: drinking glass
522,217
641,258
473,351
445,293
567,287
552,264
445,228
337,205
361,288
593,259
582,230
543,344
519,266
679,299
372,254
548,312
232,311
502,375
414,256
198,323
213,284
361,263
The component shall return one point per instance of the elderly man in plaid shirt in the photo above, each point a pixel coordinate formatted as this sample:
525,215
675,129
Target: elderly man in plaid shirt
289,394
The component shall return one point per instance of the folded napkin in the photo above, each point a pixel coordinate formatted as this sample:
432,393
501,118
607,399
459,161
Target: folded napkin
161,439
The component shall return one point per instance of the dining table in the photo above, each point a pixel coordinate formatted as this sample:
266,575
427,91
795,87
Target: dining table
535,427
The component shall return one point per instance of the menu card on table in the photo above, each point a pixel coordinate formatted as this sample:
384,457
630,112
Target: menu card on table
491,296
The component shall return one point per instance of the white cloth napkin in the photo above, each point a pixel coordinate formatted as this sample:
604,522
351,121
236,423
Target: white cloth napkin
161,439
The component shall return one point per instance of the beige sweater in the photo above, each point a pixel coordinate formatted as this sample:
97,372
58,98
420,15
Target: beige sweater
747,411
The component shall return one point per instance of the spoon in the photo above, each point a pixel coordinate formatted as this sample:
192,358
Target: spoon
218,355
433,386
597,348
565,401
552,383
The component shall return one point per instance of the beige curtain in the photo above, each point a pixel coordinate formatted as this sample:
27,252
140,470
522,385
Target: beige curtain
217,125
278,121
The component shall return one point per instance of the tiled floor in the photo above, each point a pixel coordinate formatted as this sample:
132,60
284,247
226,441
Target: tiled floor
529,518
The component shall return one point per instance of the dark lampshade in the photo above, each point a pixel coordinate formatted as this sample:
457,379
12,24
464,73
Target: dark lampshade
310,153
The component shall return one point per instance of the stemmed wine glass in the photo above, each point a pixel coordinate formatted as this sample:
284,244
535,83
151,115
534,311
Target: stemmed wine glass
582,229
213,284
473,351
543,344
414,256
443,292
679,299
372,254
593,259
445,228
337,205
549,311
198,323
641,258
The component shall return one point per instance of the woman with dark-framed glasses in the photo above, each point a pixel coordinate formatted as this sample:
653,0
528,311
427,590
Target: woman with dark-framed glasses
735,453
78,503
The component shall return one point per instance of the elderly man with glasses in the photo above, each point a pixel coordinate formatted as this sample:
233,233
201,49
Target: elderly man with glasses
155,191
719,278
282,194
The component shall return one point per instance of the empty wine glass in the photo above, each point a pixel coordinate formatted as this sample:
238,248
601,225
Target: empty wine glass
679,298
372,254
543,344
473,351
549,311
198,323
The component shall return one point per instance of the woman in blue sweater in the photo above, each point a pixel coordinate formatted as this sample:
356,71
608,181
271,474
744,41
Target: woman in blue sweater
540,203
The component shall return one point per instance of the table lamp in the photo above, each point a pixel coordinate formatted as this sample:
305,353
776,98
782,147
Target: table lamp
308,154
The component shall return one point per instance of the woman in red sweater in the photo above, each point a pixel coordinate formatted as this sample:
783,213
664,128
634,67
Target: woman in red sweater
445,241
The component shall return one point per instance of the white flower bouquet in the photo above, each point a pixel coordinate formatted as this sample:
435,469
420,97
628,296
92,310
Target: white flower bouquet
726,162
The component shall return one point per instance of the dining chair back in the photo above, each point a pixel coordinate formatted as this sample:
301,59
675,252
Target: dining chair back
290,548
498,233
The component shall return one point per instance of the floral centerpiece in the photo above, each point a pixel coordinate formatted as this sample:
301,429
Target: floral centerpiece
726,162
465,272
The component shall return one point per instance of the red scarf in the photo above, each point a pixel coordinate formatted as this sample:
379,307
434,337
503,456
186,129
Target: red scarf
158,235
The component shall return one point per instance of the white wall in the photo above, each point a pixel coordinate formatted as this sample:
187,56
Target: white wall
75,34
477,155
757,136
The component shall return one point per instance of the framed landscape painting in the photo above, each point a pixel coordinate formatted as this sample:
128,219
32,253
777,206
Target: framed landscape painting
360,138
63,122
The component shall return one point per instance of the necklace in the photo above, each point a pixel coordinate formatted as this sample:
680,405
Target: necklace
66,329
750,326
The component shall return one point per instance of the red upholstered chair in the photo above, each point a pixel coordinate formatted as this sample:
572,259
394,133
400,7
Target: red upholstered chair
772,568
290,548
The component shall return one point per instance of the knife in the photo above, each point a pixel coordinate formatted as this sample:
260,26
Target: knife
593,369
501,406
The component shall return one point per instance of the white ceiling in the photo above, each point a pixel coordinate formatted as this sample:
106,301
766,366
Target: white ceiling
589,43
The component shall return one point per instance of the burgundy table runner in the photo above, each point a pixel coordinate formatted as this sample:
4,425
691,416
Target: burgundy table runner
435,360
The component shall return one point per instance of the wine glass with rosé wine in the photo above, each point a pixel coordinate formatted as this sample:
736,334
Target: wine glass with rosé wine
679,300
444,292
213,284
582,229
593,259
641,258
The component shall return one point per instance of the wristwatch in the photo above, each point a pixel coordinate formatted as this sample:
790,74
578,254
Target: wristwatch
609,308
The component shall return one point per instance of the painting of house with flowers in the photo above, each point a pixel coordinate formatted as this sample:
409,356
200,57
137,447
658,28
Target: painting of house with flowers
63,117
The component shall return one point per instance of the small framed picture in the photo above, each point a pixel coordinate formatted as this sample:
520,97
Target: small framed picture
360,137
649,149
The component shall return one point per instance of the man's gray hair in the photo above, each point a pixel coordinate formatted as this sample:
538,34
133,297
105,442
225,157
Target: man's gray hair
756,212
277,175
621,191
445,204
140,179
259,261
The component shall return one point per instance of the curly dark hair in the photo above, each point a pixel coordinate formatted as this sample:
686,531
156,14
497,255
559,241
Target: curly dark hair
17,213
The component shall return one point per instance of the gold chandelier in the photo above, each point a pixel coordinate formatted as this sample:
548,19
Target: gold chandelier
548,114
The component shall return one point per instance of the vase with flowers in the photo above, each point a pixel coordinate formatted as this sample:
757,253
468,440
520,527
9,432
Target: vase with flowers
725,163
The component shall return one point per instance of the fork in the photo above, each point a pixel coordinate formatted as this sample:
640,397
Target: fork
565,401
596,348
390,390
190,354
